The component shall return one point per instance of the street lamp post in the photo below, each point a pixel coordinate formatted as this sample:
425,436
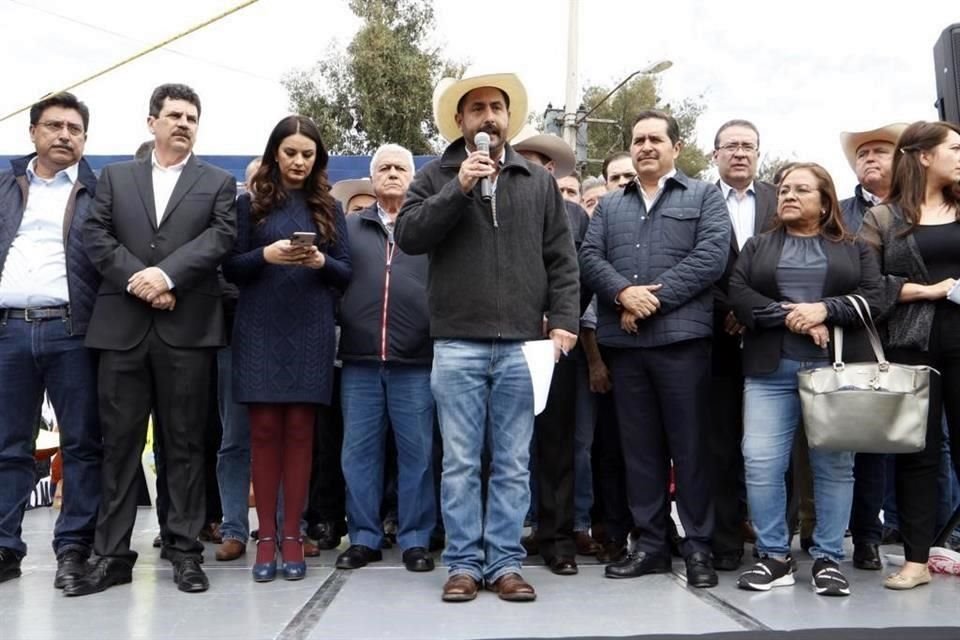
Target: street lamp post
651,69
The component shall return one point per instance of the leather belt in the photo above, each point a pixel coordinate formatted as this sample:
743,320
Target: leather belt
33,314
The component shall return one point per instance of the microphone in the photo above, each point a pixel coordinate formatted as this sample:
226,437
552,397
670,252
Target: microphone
482,142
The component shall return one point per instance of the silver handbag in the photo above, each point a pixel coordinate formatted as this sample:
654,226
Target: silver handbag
868,407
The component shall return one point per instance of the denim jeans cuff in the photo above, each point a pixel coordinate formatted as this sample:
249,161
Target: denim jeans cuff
463,571
83,549
367,540
502,572
234,535
820,554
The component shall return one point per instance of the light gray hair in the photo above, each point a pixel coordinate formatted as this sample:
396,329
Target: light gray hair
391,148
592,183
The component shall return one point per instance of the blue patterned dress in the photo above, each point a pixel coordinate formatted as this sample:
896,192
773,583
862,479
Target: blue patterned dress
283,336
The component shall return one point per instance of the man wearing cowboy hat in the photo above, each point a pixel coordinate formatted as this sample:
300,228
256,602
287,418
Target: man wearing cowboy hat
562,435
501,257
870,155
354,195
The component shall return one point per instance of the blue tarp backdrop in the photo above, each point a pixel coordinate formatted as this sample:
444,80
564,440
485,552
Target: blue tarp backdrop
339,167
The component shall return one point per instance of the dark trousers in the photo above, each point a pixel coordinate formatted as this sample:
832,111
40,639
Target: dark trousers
36,356
213,434
869,478
609,474
553,433
174,384
917,473
726,460
663,396
327,496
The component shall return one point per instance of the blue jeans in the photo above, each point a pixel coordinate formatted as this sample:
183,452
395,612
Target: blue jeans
484,397
37,356
582,446
771,415
233,458
371,395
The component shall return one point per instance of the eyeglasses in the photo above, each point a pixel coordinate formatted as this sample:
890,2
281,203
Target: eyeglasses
733,147
55,126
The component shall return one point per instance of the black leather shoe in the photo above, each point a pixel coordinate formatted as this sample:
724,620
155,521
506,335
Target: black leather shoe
9,565
636,564
700,573
328,534
563,566
105,573
867,557
189,577
157,541
358,556
71,565
417,559
728,561
612,551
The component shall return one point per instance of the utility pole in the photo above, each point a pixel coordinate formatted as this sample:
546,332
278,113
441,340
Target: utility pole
573,80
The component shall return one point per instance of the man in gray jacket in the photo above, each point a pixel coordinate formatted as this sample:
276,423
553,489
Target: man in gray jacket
652,253
501,257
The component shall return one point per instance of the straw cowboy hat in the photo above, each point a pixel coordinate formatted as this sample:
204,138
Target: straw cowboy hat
549,145
344,190
448,92
853,140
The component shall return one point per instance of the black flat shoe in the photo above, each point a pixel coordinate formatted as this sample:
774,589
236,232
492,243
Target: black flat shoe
727,561
105,573
417,559
867,557
563,566
9,565
71,565
327,534
636,564
357,556
700,573
189,577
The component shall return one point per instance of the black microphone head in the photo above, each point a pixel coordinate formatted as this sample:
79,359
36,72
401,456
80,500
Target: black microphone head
482,141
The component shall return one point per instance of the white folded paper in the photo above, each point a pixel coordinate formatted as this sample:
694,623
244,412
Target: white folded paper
539,357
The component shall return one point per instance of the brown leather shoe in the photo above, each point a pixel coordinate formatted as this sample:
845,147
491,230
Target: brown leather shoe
230,550
586,546
460,588
310,549
513,588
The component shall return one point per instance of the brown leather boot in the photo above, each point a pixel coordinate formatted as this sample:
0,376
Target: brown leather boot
460,588
513,588
230,550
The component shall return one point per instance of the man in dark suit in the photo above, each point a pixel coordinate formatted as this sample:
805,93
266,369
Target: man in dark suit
158,230
752,205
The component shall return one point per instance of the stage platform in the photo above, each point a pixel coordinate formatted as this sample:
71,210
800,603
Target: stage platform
385,601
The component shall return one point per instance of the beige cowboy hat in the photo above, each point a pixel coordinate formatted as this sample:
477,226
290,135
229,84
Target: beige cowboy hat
853,140
448,92
344,190
548,144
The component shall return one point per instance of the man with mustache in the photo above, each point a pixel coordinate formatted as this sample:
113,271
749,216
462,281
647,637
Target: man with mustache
501,256
870,155
158,230
752,207
47,289
652,253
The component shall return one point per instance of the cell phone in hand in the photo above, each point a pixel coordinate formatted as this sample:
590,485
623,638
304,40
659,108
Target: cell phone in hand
303,238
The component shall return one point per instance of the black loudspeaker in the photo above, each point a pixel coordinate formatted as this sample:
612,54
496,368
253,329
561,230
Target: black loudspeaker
946,61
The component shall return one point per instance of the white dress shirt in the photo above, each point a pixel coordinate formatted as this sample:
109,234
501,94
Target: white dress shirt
35,272
164,180
652,200
743,211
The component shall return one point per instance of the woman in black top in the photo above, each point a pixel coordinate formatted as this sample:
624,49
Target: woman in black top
917,236
788,289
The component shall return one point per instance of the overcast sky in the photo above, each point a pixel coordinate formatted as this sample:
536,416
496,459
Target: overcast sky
802,72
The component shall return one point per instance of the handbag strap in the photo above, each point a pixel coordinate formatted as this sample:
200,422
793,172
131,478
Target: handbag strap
863,311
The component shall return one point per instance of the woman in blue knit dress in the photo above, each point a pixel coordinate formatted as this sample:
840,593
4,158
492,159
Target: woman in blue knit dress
283,337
